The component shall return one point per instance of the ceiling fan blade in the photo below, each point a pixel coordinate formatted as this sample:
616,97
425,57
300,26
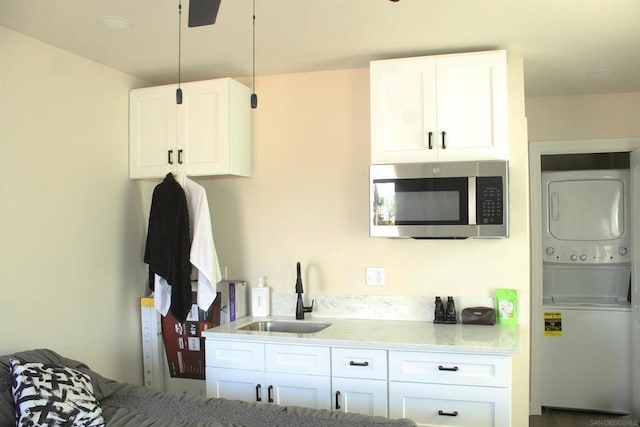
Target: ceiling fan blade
203,12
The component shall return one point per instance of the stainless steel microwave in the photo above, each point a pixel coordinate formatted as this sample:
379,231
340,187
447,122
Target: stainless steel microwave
448,200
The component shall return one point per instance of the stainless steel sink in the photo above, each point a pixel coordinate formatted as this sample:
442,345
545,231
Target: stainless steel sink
291,326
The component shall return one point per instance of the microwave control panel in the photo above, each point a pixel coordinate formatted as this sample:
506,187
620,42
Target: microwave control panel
489,200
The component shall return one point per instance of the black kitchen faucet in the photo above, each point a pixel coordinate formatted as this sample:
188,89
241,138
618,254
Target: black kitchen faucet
300,307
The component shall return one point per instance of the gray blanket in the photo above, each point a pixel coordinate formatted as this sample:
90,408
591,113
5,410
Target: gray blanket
126,405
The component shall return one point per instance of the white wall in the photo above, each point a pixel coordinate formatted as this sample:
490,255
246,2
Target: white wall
612,115
71,223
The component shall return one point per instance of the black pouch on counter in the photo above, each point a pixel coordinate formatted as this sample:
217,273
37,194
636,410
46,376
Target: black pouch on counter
479,316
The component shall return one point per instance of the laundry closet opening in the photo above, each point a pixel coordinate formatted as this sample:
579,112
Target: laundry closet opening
586,345
585,161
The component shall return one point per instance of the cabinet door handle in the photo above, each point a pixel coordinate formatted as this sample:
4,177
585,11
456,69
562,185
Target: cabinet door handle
352,363
447,414
444,144
180,156
170,156
429,141
258,393
444,368
270,394
338,399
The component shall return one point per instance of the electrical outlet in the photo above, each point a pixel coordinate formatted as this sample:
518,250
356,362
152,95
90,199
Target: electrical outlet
375,276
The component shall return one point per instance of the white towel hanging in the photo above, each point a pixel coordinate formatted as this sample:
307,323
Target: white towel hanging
203,251
181,178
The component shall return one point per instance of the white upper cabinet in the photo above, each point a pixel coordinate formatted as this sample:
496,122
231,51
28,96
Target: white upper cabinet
439,108
208,134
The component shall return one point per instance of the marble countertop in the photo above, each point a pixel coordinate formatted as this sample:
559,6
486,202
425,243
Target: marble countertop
388,334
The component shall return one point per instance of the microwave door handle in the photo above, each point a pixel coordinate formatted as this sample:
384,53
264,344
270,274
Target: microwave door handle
472,200
555,206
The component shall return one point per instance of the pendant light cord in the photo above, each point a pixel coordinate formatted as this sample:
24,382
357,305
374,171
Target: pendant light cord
254,97
179,90
254,47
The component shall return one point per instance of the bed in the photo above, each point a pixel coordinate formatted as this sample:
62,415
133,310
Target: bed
91,399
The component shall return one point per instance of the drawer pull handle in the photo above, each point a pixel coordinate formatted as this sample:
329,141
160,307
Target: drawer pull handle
180,156
270,394
444,144
338,399
169,157
352,363
448,414
258,393
444,368
430,143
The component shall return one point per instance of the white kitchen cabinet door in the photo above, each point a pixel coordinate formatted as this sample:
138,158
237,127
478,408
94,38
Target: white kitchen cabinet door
403,102
152,132
439,108
472,107
208,134
311,391
214,128
239,384
360,396
450,405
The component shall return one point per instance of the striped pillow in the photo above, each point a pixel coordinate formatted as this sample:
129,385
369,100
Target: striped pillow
47,394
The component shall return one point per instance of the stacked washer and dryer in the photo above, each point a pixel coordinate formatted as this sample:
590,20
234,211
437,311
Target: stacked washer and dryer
586,290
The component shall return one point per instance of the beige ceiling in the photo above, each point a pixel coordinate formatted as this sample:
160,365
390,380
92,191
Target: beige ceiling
568,46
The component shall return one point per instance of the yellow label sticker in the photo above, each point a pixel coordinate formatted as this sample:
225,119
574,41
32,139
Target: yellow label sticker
553,323
147,302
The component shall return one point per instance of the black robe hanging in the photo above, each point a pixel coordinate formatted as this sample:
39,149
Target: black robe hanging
168,244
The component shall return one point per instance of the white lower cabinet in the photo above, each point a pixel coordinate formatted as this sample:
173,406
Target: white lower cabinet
449,405
239,384
368,397
431,388
359,380
449,389
310,391
269,373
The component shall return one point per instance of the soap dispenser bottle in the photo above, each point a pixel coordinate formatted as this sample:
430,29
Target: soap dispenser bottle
450,313
438,314
261,299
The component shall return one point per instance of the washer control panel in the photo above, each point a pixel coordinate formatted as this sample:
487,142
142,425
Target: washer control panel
588,254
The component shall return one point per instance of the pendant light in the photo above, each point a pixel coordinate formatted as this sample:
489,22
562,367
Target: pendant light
179,90
254,97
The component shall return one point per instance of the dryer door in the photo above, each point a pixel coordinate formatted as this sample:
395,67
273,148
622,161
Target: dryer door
586,209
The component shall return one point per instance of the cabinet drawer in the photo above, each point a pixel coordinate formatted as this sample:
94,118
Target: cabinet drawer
449,405
234,354
359,363
443,368
298,359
